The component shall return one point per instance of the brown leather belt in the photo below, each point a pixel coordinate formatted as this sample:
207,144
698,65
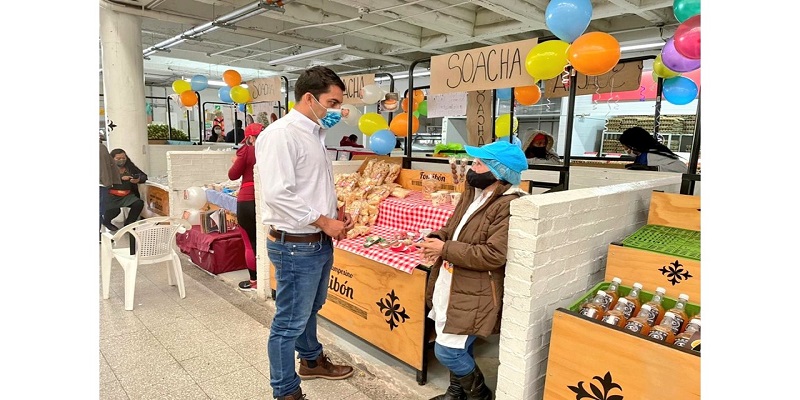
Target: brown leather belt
275,235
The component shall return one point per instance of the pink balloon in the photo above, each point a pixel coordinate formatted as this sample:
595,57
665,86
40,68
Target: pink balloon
687,38
675,61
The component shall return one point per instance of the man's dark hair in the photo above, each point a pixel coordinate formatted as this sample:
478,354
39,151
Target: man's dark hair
317,81
353,137
238,123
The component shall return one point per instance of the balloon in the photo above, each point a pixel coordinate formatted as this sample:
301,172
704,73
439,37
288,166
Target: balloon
594,53
188,98
527,95
180,86
503,94
225,94
291,106
404,104
675,61
419,96
242,107
194,197
687,38
232,78
422,109
547,60
382,142
372,94
249,109
370,123
353,114
680,90
399,125
659,69
199,82
501,125
685,9
568,19
240,94
415,113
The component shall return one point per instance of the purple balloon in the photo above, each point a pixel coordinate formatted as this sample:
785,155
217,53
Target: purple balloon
675,61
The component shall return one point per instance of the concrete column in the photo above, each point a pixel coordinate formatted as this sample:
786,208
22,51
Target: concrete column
123,84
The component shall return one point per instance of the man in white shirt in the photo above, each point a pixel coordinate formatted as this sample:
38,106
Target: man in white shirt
298,203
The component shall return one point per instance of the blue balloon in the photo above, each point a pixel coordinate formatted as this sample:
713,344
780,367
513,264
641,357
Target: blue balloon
242,107
568,19
680,90
199,82
504,94
382,142
225,94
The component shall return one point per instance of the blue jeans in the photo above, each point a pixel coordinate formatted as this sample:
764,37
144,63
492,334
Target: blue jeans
302,271
460,361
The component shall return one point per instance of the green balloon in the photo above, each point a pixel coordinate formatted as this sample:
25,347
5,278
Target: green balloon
685,9
423,108
415,113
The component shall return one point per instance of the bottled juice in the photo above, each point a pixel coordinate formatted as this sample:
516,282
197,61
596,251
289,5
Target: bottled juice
634,302
663,331
640,323
656,306
681,318
612,294
616,316
682,339
594,307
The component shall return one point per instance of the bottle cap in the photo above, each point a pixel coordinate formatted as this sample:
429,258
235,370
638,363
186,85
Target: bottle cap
646,307
684,296
661,290
637,285
695,321
616,280
623,300
669,314
602,292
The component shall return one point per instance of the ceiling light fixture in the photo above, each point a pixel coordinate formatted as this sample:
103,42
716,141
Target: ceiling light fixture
403,76
310,54
216,83
641,46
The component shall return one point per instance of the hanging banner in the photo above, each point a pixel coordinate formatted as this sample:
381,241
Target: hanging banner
491,67
447,105
479,117
623,77
265,89
353,85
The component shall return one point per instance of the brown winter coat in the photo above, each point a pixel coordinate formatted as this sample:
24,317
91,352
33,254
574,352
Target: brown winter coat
479,260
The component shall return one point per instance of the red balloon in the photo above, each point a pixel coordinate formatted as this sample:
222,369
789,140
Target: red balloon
687,38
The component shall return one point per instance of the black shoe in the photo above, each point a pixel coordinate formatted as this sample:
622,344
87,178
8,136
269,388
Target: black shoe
454,391
247,286
474,385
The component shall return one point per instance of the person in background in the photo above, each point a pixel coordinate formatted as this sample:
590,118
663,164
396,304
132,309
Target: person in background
235,135
219,119
242,167
109,175
126,193
350,141
299,207
650,154
216,134
539,148
248,119
465,285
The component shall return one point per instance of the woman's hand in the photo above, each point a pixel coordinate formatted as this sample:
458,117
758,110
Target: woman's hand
431,248
126,177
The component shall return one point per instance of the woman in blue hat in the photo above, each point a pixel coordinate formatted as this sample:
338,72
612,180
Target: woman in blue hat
465,286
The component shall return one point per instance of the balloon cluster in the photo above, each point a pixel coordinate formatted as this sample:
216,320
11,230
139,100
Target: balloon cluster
680,54
382,134
186,90
234,92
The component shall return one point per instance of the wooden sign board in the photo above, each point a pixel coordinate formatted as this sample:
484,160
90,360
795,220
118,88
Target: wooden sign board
675,210
479,117
623,77
485,68
158,200
265,89
412,179
653,269
353,85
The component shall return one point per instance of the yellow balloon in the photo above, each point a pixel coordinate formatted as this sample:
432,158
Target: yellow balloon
501,125
180,86
370,123
547,60
240,94
291,106
659,69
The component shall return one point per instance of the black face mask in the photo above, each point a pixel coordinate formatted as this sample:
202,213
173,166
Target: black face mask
536,152
480,181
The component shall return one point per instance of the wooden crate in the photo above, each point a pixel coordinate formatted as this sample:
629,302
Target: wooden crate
675,210
653,269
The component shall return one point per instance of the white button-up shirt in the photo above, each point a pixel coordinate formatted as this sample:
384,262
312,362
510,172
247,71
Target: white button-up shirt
295,173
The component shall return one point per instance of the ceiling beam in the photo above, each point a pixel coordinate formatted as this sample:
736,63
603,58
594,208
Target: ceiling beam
626,7
519,10
435,15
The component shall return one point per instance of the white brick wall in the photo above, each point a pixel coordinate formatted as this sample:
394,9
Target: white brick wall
158,154
194,168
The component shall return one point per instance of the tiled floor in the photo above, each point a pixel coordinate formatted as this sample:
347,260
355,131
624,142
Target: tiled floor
212,345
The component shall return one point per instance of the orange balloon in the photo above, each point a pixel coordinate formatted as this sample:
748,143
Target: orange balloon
527,95
404,104
419,96
232,78
594,53
399,124
188,98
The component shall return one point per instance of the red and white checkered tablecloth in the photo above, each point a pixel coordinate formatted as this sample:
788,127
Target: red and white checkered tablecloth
405,262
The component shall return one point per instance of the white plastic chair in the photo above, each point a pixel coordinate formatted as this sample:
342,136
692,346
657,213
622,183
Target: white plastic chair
155,243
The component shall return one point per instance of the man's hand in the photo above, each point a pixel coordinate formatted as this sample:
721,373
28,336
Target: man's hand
349,222
332,227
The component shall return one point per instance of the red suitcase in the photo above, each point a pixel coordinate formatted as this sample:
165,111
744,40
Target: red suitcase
214,252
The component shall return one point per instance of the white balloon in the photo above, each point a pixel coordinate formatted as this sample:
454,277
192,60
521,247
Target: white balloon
372,94
194,197
353,116
192,215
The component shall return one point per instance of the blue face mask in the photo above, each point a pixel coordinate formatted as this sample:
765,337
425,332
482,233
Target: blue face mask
332,117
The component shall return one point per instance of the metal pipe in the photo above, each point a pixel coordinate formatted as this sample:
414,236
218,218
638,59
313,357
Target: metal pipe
391,87
573,88
511,113
286,95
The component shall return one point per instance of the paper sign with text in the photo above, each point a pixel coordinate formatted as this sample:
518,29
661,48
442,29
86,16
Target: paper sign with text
621,78
447,105
353,85
491,67
265,89
479,117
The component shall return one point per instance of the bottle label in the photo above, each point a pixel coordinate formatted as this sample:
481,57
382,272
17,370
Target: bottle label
681,342
606,301
656,334
611,319
588,311
651,319
628,311
677,322
634,326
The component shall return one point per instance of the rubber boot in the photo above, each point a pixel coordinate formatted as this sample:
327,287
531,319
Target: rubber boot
454,391
474,385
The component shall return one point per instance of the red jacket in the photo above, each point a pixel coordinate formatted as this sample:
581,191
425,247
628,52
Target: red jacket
243,168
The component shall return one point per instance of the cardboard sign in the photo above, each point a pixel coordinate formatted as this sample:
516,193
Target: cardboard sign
447,105
265,89
353,85
623,77
479,117
491,67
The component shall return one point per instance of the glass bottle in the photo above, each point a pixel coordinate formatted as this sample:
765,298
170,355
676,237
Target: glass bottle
682,339
663,331
634,302
594,307
616,316
657,306
640,323
681,318
612,294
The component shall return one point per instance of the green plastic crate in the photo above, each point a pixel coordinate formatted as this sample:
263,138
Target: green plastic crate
669,302
666,240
